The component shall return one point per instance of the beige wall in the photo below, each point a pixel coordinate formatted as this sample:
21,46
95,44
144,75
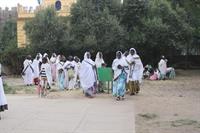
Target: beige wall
24,14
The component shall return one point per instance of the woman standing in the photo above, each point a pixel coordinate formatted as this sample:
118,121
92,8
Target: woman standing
119,66
53,67
88,76
28,71
99,61
3,101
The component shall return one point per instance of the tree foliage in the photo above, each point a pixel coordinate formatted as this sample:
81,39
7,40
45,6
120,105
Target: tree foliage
47,32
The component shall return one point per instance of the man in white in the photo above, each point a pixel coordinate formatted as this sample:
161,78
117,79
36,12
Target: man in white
28,71
162,66
3,101
135,71
88,77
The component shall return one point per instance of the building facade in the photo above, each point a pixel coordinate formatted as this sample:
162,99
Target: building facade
24,14
7,14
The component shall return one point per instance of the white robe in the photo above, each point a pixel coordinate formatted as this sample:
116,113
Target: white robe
28,77
130,59
138,69
115,64
99,61
3,100
69,82
47,69
35,66
59,65
162,66
87,74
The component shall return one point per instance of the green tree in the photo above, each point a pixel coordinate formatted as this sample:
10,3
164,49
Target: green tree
9,35
11,56
47,32
94,27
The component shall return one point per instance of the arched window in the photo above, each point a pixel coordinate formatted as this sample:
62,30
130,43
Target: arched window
58,5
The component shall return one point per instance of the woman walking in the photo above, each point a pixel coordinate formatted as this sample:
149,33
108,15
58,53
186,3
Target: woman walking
3,101
119,66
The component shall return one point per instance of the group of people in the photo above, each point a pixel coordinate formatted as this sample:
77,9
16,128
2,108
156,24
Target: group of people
70,73
161,73
127,74
47,72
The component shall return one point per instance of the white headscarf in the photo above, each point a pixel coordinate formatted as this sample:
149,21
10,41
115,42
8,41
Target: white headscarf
133,50
87,74
138,67
53,58
117,62
99,61
45,54
85,55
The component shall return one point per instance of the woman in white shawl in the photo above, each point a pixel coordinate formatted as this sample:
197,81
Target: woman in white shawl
60,72
36,69
88,77
99,61
53,66
119,81
28,71
3,101
162,66
136,71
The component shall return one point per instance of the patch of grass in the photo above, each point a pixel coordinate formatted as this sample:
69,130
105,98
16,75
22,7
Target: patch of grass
183,122
8,89
148,116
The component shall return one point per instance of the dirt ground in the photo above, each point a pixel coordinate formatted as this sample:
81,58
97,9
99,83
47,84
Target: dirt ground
170,106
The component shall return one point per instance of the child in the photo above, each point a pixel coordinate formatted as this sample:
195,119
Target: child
45,76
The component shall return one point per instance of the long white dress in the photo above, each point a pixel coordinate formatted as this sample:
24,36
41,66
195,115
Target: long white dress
70,82
28,71
99,61
88,75
129,60
138,69
162,66
35,66
53,67
77,69
3,101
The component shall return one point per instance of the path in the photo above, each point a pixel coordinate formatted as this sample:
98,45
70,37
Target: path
29,114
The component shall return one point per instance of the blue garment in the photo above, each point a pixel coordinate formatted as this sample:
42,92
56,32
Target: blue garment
120,84
61,80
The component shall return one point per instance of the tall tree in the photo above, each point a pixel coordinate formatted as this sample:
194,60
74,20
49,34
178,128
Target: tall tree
95,27
47,32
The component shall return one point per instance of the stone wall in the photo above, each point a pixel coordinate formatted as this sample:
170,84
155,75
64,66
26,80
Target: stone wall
7,14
